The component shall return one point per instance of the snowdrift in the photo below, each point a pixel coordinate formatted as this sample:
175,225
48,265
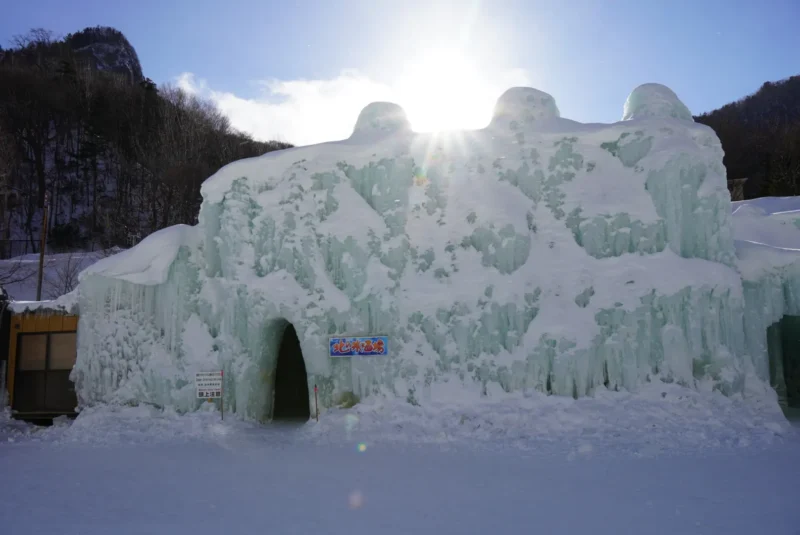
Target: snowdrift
537,254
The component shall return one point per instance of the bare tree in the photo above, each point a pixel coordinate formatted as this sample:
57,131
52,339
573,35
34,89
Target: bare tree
15,271
7,156
63,277
35,37
12,271
8,159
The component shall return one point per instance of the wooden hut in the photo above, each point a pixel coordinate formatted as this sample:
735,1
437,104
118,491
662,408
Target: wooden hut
38,348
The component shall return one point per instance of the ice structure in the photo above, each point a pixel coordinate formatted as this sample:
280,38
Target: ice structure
767,234
538,253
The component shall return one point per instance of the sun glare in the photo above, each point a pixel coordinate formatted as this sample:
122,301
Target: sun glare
443,91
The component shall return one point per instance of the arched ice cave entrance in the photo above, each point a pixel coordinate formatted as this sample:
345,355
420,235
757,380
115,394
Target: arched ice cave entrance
783,343
291,400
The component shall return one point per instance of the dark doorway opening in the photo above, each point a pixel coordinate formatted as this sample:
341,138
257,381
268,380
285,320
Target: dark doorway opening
783,342
291,402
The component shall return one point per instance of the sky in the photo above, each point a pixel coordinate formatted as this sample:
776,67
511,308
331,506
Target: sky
301,71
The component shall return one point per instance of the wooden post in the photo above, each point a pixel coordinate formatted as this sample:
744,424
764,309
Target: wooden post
3,396
42,247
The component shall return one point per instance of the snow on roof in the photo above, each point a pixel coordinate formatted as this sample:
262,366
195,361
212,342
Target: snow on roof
148,262
66,303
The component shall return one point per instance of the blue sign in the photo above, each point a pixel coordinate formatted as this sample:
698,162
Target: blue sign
359,345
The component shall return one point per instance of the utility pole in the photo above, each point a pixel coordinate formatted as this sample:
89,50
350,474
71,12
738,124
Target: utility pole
5,230
42,246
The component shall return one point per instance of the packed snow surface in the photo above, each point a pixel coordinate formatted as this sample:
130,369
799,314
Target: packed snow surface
536,255
667,460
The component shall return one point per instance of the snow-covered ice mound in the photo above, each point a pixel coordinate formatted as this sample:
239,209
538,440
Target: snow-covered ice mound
523,106
538,254
655,100
381,117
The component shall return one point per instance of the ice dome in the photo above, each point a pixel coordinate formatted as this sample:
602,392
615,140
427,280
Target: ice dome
508,260
655,100
524,106
377,117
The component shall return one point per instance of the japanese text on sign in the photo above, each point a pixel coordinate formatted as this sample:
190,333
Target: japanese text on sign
363,345
209,384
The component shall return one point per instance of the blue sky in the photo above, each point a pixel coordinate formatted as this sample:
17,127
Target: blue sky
301,70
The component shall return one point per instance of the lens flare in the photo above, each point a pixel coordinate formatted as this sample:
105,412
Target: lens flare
362,447
356,500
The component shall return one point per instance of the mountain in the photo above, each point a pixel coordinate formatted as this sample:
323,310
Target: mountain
760,135
117,156
99,48
106,49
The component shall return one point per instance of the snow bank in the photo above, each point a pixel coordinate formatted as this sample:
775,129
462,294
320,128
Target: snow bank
536,255
661,419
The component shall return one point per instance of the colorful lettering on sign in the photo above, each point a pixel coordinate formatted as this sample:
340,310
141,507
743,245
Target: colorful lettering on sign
359,346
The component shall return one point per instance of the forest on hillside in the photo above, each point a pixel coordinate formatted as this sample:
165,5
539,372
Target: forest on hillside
760,135
117,156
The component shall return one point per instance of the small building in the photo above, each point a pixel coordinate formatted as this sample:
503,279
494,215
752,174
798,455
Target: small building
38,349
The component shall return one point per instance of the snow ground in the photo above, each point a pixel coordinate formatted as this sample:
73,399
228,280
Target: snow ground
618,463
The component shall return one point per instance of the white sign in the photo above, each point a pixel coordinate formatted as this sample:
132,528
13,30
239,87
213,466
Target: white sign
209,384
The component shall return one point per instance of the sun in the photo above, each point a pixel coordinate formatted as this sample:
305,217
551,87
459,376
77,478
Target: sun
442,90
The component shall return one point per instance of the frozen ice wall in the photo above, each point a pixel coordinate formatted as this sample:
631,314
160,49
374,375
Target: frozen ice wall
767,234
536,254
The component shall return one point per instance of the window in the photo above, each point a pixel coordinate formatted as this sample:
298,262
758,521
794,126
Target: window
32,352
44,363
63,351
